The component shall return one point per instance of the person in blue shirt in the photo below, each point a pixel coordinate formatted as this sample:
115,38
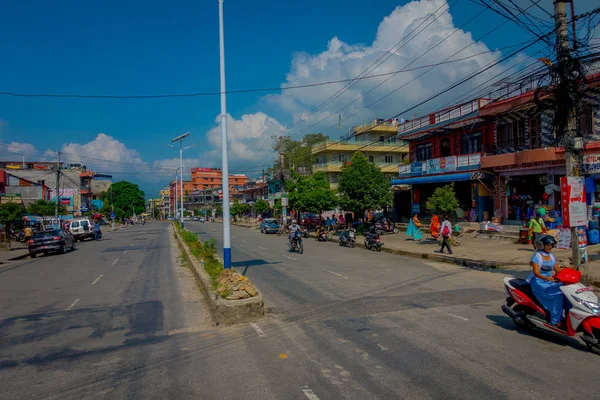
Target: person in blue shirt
545,288
97,232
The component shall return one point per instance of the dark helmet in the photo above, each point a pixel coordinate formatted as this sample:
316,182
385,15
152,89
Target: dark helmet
543,240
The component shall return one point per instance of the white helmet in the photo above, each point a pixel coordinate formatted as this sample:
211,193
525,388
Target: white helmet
294,221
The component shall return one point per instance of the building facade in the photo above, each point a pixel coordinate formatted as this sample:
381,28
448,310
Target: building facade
376,140
446,146
210,178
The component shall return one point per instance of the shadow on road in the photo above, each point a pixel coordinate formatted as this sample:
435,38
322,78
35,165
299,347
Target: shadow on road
47,337
251,263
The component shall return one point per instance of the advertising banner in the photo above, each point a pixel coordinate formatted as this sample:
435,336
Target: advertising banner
572,190
416,168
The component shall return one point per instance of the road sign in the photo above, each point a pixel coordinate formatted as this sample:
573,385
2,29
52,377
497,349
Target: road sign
112,215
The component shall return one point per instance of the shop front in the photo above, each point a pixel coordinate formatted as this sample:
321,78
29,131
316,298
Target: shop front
471,185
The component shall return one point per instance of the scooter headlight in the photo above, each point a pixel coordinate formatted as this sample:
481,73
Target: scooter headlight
593,307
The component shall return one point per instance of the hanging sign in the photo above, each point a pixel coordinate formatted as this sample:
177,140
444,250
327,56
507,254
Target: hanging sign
564,240
572,189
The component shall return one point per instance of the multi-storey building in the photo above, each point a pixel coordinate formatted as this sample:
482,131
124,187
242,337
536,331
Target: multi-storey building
376,140
210,178
446,146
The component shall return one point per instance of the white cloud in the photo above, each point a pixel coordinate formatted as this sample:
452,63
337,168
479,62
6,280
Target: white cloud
246,136
342,60
104,153
25,149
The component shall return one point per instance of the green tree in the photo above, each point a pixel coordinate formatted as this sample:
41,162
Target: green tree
297,153
443,200
219,210
11,214
126,197
261,207
362,186
45,208
310,193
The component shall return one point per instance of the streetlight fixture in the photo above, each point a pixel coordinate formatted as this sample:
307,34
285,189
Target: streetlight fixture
225,164
175,215
181,150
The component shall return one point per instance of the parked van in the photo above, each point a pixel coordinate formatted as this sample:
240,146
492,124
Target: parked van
81,229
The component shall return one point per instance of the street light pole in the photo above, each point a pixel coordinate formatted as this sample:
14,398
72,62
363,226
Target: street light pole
181,150
225,164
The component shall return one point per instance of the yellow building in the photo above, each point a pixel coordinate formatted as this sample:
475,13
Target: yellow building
376,140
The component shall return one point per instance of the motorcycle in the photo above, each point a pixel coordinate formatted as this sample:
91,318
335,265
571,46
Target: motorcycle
386,227
372,239
321,234
583,315
296,243
347,237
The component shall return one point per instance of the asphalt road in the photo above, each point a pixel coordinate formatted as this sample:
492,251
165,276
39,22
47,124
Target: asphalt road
122,319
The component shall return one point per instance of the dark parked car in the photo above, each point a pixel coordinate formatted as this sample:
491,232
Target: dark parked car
54,240
309,220
269,225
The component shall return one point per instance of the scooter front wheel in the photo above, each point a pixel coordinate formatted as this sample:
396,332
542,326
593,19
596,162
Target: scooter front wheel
378,247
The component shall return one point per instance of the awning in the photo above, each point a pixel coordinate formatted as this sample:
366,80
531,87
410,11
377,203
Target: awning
462,176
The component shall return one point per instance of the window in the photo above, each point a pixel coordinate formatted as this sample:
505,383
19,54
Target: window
585,122
535,132
381,138
511,134
342,157
470,143
371,159
445,145
424,152
389,159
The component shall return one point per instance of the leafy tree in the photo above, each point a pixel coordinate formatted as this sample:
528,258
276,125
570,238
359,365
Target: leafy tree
238,209
11,214
443,200
126,197
297,153
261,206
45,208
219,210
362,186
310,193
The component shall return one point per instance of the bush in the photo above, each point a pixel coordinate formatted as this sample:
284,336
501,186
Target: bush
206,251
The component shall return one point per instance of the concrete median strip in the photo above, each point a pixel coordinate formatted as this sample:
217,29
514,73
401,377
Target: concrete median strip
223,311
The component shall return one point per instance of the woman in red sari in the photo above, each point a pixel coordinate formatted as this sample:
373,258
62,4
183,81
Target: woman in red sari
435,227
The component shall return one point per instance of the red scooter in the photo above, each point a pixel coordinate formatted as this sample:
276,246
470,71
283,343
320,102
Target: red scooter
583,315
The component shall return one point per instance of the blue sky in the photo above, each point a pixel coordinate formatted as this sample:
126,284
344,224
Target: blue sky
151,47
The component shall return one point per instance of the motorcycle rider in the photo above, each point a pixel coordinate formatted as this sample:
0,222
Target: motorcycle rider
294,227
544,286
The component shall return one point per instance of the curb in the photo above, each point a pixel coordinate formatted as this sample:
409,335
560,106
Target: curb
223,311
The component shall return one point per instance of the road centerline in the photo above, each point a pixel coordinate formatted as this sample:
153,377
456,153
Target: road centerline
309,393
260,247
114,262
73,304
258,330
335,273
97,279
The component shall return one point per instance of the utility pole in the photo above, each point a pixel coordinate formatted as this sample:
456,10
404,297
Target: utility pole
224,161
57,186
567,112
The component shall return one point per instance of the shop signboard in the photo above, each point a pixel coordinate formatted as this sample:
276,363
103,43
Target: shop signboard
65,202
462,161
474,159
572,189
441,165
564,240
404,169
10,198
416,168
591,163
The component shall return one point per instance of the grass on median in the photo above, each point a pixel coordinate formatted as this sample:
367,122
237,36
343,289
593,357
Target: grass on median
206,251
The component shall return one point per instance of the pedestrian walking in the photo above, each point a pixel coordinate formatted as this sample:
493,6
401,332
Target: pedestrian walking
97,232
537,227
28,233
414,228
435,226
446,232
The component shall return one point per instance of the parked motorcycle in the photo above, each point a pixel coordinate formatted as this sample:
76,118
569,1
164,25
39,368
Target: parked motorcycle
386,227
347,237
583,315
296,243
321,234
372,240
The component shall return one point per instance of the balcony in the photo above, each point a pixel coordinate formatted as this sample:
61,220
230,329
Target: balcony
365,145
445,115
525,158
336,166
377,125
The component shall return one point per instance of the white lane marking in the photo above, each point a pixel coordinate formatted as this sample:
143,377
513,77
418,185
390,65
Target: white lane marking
309,393
291,258
258,330
97,279
114,262
233,237
125,252
244,241
260,247
73,304
131,244
335,273
457,316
